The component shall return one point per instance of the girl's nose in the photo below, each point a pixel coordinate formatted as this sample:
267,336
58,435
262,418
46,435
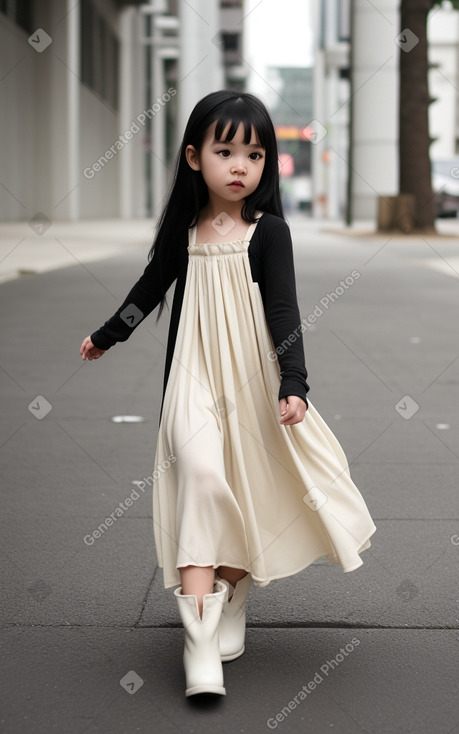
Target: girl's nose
238,167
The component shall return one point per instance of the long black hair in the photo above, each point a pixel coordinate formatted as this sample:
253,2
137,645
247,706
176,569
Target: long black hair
189,194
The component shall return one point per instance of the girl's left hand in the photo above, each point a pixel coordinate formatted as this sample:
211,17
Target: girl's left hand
292,410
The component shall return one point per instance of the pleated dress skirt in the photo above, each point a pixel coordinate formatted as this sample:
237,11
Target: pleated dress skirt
233,486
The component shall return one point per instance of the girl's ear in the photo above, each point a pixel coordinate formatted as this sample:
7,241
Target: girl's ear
192,157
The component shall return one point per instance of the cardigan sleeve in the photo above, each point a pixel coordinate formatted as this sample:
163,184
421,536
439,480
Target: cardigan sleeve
143,297
281,307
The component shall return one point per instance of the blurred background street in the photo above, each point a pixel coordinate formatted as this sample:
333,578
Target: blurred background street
95,96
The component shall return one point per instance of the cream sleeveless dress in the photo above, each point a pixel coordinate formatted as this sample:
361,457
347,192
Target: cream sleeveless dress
232,485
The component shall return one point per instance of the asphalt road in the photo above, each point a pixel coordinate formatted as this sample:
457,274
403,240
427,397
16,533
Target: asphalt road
90,639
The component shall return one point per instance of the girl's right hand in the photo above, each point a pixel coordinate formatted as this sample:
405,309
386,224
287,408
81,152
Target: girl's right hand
89,351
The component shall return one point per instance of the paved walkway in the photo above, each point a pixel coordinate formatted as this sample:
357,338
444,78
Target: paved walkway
40,246
90,640
27,248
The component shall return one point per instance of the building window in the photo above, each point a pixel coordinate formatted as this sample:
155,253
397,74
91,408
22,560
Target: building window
344,20
19,11
322,38
230,41
99,55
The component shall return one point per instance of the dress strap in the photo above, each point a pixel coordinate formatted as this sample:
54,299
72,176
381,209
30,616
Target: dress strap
192,235
251,229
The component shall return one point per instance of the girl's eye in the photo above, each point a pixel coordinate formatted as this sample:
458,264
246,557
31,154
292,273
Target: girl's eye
253,156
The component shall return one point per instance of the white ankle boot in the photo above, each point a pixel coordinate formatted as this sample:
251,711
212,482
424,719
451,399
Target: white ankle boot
232,623
201,656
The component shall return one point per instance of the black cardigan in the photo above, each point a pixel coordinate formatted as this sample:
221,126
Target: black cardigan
271,262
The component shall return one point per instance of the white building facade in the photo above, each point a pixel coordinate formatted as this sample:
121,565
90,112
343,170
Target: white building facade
443,35
356,159
95,96
356,87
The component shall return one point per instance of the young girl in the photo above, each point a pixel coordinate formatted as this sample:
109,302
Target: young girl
253,484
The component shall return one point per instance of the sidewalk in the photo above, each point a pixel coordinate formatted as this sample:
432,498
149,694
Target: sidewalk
91,642
26,249
448,227
38,247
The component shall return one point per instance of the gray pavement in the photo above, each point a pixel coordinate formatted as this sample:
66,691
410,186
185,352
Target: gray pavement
383,362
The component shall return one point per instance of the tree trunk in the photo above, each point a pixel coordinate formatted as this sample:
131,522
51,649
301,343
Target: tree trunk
414,139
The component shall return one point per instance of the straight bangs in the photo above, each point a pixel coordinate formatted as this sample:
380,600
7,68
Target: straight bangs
233,115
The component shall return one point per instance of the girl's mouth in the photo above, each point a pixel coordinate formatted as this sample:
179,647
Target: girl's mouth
236,185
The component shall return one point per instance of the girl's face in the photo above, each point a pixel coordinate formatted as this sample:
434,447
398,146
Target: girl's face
232,170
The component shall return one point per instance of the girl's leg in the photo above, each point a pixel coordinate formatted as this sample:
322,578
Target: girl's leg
197,580
232,575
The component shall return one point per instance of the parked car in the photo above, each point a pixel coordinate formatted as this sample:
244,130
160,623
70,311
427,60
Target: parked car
445,183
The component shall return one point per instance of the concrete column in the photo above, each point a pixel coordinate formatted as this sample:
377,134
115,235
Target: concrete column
128,29
73,109
375,129
62,118
200,63
318,172
158,155
333,144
